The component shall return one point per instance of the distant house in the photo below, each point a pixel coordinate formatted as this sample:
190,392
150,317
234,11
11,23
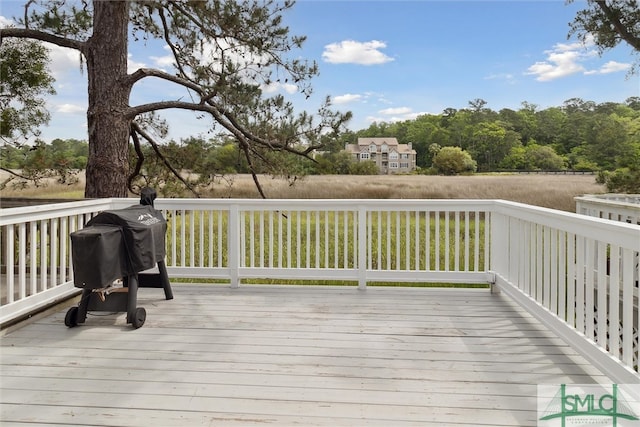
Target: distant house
390,156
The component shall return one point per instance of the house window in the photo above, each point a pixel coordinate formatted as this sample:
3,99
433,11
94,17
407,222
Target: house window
404,156
364,156
373,148
393,155
384,148
393,165
404,165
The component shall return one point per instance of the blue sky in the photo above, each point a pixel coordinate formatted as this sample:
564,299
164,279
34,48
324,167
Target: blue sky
393,60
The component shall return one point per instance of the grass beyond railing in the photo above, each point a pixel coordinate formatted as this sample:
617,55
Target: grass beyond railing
324,239
328,239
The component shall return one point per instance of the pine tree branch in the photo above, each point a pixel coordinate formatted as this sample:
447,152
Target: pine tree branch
42,36
166,162
620,28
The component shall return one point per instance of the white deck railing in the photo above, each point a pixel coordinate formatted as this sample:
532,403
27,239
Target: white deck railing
573,272
618,207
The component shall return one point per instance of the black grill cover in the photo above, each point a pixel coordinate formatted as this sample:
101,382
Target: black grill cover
141,245
99,256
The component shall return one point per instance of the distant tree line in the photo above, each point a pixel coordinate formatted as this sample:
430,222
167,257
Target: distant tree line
578,136
61,159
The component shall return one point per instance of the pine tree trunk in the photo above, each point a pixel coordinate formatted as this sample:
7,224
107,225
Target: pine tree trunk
108,127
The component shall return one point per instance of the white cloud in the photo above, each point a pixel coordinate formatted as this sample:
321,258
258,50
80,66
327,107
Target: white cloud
610,67
133,65
63,62
163,62
565,59
354,52
559,63
371,119
346,98
6,22
395,111
391,115
274,87
507,77
70,109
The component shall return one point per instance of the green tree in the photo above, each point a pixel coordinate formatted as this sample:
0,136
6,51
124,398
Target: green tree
575,131
223,159
22,106
607,142
340,163
623,180
610,22
363,168
453,160
223,53
22,102
424,131
542,157
515,160
491,142
550,121
479,112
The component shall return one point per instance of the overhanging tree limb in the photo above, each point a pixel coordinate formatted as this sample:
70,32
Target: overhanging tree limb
139,160
42,36
168,164
224,119
614,18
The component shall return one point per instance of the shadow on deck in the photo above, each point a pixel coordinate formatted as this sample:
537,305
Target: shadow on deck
290,355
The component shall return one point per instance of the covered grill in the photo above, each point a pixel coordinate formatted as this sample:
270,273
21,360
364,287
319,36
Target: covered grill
119,244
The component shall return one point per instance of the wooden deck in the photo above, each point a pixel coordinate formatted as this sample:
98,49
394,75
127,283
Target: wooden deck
285,356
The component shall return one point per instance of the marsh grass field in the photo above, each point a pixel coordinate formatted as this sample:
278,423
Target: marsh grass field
551,191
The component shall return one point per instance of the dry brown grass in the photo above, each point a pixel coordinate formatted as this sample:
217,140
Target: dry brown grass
46,189
553,191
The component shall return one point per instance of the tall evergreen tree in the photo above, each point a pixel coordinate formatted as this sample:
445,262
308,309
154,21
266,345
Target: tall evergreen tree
223,53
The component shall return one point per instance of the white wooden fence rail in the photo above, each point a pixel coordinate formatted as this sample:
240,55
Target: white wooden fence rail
573,272
618,207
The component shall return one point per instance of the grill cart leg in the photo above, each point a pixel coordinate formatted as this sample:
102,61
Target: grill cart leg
164,278
71,319
157,280
78,314
135,315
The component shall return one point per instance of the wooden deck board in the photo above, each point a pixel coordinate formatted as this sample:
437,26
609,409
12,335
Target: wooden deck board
289,356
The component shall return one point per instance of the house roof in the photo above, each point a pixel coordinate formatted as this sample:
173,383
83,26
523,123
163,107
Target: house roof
377,141
393,144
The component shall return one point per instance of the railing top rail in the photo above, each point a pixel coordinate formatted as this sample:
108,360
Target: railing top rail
622,200
627,235
621,233
320,204
50,211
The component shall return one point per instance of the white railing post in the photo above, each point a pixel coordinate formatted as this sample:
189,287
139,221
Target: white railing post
234,245
499,247
362,248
